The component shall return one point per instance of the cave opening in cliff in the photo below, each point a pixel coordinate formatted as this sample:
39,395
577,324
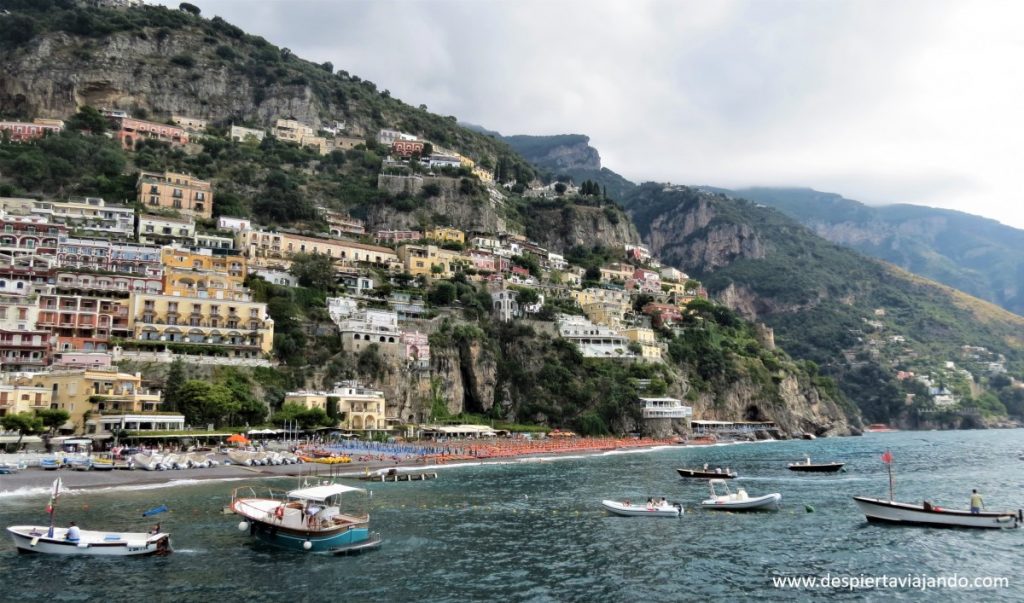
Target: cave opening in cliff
753,413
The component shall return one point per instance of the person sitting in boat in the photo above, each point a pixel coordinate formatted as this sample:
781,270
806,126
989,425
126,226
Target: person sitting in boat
927,506
155,529
73,534
977,504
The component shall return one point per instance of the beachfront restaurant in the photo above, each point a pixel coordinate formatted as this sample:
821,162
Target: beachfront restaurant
665,408
459,431
729,428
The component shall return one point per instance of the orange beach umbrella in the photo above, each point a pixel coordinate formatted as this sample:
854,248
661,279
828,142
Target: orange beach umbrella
238,439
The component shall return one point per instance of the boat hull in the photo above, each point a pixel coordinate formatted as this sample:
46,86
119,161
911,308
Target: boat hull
756,503
701,474
820,468
877,510
33,539
320,542
624,510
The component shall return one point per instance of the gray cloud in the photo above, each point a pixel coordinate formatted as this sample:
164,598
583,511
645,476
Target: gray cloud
884,102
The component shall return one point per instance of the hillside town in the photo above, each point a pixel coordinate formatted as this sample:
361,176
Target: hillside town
90,283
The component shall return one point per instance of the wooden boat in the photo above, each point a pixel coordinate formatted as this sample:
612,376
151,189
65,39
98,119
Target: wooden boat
739,500
626,509
38,539
306,519
103,464
877,510
705,473
808,467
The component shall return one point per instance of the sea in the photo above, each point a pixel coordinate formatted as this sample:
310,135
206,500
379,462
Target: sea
534,530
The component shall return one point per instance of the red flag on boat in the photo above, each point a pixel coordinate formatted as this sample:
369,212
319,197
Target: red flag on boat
887,457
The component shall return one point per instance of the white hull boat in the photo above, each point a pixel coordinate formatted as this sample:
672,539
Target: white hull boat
878,510
626,509
739,500
148,462
35,539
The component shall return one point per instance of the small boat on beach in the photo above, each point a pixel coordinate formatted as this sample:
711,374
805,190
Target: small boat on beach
392,475
650,509
877,510
705,473
306,519
739,500
808,467
49,464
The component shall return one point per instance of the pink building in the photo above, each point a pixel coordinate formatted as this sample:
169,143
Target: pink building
397,236
406,148
19,131
662,314
417,347
482,260
131,131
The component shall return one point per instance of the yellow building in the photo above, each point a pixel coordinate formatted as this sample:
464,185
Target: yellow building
650,349
201,274
616,272
360,408
445,234
605,313
16,398
204,259
81,391
432,261
260,243
240,327
180,192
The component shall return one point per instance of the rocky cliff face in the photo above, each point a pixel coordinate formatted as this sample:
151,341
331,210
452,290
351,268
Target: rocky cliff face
694,238
563,228
55,75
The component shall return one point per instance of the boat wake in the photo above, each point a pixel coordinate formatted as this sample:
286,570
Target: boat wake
25,491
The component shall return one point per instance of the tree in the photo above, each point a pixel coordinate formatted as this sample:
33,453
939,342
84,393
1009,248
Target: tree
526,296
560,188
327,66
204,402
25,423
189,8
173,384
314,270
442,294
53,418
307,418
88,119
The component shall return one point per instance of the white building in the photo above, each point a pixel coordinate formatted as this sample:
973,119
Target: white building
108,424
386,137
240,134
274,277
593,341
367,327
341,308
665,408
91,215
233,224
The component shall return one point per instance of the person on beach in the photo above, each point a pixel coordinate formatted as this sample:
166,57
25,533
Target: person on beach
977,504
73,534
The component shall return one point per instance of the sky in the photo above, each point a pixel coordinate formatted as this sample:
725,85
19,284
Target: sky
883,102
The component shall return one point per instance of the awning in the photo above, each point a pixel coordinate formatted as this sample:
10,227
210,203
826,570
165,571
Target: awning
78,442
320,493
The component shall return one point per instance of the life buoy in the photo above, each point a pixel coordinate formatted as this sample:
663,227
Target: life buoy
279,512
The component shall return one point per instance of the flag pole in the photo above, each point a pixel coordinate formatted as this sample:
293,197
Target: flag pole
889,465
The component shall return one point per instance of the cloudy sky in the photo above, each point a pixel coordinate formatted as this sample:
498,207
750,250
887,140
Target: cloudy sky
883,102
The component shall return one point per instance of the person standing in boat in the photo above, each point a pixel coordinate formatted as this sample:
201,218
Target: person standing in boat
977,504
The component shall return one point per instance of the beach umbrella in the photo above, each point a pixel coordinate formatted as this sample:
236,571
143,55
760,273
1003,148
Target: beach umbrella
238,439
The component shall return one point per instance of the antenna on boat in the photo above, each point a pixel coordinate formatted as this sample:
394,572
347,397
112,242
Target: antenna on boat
887,459
51,508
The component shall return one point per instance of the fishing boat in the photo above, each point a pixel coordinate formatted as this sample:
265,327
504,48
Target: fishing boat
808,467
706,473
7,469
49,464
392,475
878,510
103,464
306,519
739,500
74,541
651,509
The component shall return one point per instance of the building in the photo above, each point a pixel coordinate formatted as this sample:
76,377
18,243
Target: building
215,243
386,137
240,134
165,230
593,341
107,425
397,236
669,273
341,224
19,131
438,161
360,408
664,408
407,148
83,322
347,143
235,328
179,192
232,265
95,391
417,348
616,271
91,216
130,132
647,281
260,243
445,234
24,276
29,235
639,253
28,350
275,277
233,224
17,398
662,315
192,124
367,327
649,348
505,305
108,256
292,131
432,261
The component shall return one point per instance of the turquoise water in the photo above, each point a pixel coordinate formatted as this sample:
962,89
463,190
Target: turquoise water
534,532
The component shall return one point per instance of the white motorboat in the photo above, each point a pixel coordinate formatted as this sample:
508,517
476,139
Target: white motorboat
38,539
878,510
627,509
739,500
148,462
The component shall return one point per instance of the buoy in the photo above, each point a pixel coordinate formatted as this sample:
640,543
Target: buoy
307,545
243,526
809,508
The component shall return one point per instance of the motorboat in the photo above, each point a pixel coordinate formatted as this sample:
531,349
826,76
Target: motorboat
705,473
43,539
7,469
650,509
148,462
103,464
739,500
318,518
393,475
878,510
808,467
49,463
73,541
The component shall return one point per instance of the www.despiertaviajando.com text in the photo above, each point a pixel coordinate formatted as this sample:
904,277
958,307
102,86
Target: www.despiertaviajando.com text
922,582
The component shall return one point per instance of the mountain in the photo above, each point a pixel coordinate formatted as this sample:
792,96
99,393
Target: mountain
565,155
976,255
861,320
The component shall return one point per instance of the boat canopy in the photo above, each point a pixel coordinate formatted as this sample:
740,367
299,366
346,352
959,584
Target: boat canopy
717,482
322,493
